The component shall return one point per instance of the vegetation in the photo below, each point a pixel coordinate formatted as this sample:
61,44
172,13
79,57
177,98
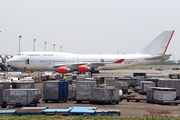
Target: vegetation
167,62
165,65
85,117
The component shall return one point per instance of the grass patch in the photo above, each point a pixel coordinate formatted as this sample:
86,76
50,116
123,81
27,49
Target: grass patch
147,67
81,117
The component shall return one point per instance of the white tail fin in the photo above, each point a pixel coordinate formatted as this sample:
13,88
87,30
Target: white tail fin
159,45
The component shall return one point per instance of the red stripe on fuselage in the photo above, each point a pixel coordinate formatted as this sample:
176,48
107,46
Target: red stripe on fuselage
168,42
119,61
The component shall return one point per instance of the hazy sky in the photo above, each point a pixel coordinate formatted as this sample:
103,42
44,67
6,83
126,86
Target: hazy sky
87,26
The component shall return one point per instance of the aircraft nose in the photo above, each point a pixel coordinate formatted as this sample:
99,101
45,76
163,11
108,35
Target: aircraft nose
8,62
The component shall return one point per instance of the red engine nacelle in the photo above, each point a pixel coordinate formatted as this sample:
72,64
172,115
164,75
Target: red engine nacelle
64,70
84,68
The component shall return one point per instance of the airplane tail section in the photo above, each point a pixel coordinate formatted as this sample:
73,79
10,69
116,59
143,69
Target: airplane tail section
159,45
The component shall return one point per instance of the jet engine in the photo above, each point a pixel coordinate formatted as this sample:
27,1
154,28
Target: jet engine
64,70
84,68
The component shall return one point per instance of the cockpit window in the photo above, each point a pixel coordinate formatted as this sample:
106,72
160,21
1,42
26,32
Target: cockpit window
18,54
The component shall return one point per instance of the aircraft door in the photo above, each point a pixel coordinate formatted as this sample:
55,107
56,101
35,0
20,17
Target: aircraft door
101,60
26,61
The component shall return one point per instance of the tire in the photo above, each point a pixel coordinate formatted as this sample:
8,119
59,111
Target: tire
46,101
117,102
128,100
4,105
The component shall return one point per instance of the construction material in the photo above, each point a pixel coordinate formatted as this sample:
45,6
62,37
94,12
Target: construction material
55,91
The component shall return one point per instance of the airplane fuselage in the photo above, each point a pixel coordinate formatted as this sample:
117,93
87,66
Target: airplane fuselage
46,60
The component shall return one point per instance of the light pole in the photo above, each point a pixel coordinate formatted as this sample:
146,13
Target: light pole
54,47
34,45
19,42
45,46
60,48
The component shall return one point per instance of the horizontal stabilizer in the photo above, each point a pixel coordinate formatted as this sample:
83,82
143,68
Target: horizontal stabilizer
162,57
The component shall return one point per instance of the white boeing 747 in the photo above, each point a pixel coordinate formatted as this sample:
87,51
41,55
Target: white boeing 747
68,62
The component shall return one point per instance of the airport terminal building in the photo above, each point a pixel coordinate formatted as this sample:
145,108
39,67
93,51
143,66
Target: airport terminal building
3,59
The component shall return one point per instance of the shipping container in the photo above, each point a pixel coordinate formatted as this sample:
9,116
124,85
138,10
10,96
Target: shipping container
111,82
99,80
144,85
105,95
84,90
132,81
174,76
155,80
139,78
21,96
139,74
82,77
90,79
55,91
3,85
161,94
23,85
170,83
72,92
123,86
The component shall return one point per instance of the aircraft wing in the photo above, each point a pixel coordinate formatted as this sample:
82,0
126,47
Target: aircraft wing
162,57
78,64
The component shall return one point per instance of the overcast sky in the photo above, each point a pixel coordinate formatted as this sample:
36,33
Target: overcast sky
87,26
